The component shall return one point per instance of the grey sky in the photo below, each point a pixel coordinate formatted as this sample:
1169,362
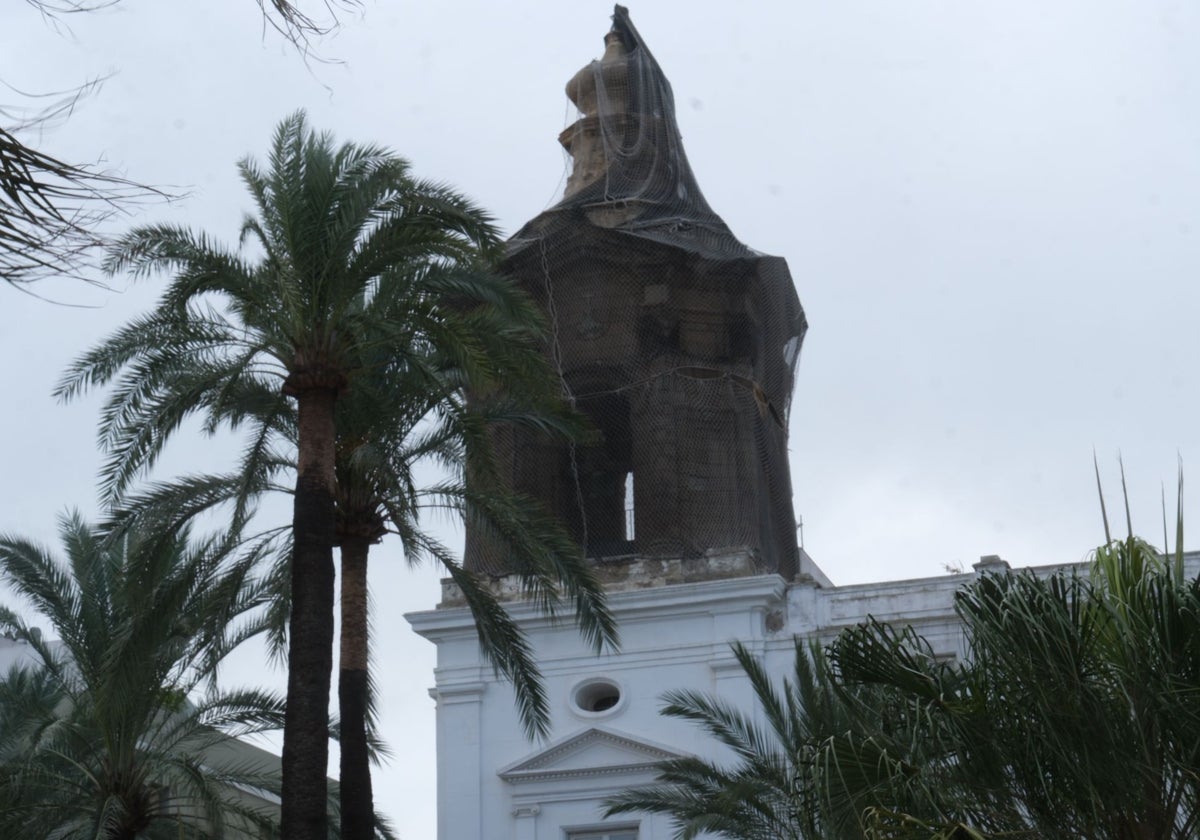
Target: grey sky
991,211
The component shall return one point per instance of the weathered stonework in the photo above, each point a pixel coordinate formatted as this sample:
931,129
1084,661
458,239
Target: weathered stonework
676,340
629,573
621,574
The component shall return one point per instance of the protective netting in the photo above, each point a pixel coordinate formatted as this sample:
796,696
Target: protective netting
674,338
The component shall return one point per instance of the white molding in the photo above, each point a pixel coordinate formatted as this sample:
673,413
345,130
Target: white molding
539,766
726,595
451,693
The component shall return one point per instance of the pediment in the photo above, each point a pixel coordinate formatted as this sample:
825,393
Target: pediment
592,752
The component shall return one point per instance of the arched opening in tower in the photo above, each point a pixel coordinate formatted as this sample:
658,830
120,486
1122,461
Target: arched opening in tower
601,471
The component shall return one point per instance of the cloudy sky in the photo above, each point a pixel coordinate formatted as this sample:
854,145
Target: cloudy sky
991,211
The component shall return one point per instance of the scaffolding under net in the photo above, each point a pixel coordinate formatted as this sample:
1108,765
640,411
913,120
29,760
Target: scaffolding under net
677,341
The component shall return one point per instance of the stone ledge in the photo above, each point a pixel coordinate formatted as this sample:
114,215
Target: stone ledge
629,573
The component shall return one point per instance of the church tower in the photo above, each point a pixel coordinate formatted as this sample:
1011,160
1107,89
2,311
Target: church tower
677,341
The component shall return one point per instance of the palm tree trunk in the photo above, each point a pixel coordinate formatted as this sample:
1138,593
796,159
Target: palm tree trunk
310,638
358,807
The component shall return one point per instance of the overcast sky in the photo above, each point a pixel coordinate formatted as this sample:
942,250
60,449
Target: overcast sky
991,211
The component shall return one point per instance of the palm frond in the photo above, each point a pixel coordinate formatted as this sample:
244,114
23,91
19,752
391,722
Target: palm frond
106,719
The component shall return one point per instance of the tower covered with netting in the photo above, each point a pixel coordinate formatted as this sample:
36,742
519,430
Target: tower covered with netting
677,341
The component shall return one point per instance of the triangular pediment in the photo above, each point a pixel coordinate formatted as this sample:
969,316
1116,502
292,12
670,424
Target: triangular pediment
592,752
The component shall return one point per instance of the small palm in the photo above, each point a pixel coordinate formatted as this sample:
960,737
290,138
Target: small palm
113,734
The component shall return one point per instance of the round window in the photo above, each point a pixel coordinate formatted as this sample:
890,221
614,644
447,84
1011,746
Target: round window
596,696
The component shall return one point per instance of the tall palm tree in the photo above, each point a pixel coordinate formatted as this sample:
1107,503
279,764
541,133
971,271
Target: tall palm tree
389,432
110,733
390,427
355,266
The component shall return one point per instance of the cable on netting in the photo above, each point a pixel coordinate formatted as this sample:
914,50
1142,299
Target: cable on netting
556,354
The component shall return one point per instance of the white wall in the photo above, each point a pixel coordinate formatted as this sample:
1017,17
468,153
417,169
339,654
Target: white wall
494,783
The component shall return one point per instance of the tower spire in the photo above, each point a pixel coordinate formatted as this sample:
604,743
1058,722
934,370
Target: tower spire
676,340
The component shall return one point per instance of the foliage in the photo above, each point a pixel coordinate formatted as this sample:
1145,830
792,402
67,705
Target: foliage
762,794
119,729
362,293
317,296
404,453
1075,714
390,432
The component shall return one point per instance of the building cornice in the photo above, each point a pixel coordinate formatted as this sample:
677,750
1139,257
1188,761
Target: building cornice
723,595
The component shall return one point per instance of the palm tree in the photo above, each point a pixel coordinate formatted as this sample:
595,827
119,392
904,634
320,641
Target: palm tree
387,431
108,735
761,795
1080,709
389,427
1094,686
820,757
358,267
330,224
1083,708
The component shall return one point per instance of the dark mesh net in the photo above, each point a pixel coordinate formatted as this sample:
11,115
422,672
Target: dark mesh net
674,338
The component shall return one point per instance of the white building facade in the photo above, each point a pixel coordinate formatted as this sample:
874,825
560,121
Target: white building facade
677,621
